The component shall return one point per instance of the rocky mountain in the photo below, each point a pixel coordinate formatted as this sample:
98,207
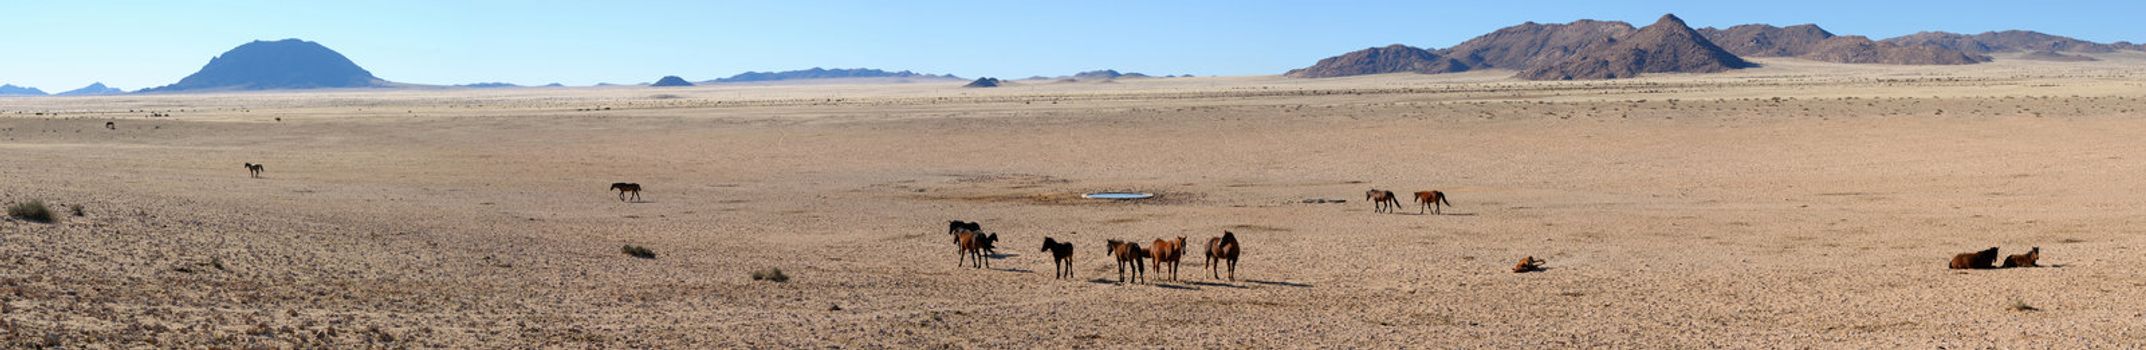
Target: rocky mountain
671,80
984,82
12,90
1394,58
281,64
491,85
93,89
1859,49
822,73
2004,41
1667,46
1532,44
1760,40
2047,55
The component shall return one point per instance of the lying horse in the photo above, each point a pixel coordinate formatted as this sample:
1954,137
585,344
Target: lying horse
2024,260
1528,264
1382,201
256,169
1061,257
1984,259
974,244
623,187
1431,199
1127,253
1222,248
1168,253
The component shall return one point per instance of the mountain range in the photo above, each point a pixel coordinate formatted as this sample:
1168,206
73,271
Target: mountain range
12,90
823,73
92,90
1592,49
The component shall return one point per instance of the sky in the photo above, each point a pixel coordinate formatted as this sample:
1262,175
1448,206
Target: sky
62,45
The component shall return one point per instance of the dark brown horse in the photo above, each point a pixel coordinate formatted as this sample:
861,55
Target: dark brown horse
953,226
1223,248
1168,253
974,244
1985,259
1382,201
1431,199
624,187
256,169
2024,260
1127,253
1061,257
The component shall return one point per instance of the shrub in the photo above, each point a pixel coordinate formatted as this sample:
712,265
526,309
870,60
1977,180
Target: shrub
771,275
76,209
638,251
34,211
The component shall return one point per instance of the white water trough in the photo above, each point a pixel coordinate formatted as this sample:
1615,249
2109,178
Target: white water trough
1118,195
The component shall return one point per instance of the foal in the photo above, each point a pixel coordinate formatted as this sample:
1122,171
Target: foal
2024,260
256,169
1431,199
1127,253
1061,257
973,244
1223,248
623,187
1382,201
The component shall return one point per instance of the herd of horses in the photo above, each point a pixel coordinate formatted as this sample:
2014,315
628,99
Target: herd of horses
974,246
1383,201
1987,259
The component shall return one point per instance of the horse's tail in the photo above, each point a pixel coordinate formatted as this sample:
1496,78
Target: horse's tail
1442,199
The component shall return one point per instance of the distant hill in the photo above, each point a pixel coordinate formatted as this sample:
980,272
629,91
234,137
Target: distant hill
823,73
93,89
12,90
1667,46
671,80
1533,44
984,82
1810,42
1394,58
281,64
2047,55
554,85
2004,41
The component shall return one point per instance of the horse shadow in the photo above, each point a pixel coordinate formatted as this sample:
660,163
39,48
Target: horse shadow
1003,256
1176,286
1279,283
1103,281
1213,284
1015,269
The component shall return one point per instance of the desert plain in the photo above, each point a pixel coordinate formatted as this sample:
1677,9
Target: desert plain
1796,205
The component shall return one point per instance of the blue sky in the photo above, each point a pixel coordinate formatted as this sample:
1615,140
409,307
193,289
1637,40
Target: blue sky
60,45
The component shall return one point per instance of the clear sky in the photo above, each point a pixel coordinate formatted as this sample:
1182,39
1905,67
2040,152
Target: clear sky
61,45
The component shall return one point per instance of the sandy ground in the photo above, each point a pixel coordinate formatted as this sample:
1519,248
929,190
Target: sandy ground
1798,205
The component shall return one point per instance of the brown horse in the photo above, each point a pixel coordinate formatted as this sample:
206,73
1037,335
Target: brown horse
1382,201
623,187
1222,248
973,244
1431,199
1168,253
256,169
1984,259
2024,260
1528,264
1061,257
1127,253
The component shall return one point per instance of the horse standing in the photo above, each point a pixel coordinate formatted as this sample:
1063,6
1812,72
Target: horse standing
1168,253
973,244
624,187
1431,199
1223,248
1061,257
256,169
1127,253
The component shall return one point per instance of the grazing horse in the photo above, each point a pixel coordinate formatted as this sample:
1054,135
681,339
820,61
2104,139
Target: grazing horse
973,244
111,126
2024,260
1431,199
256,169
1127,253
1222,248
1168,253
623,187
1528,264
1382,201
1061,257
1984,259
